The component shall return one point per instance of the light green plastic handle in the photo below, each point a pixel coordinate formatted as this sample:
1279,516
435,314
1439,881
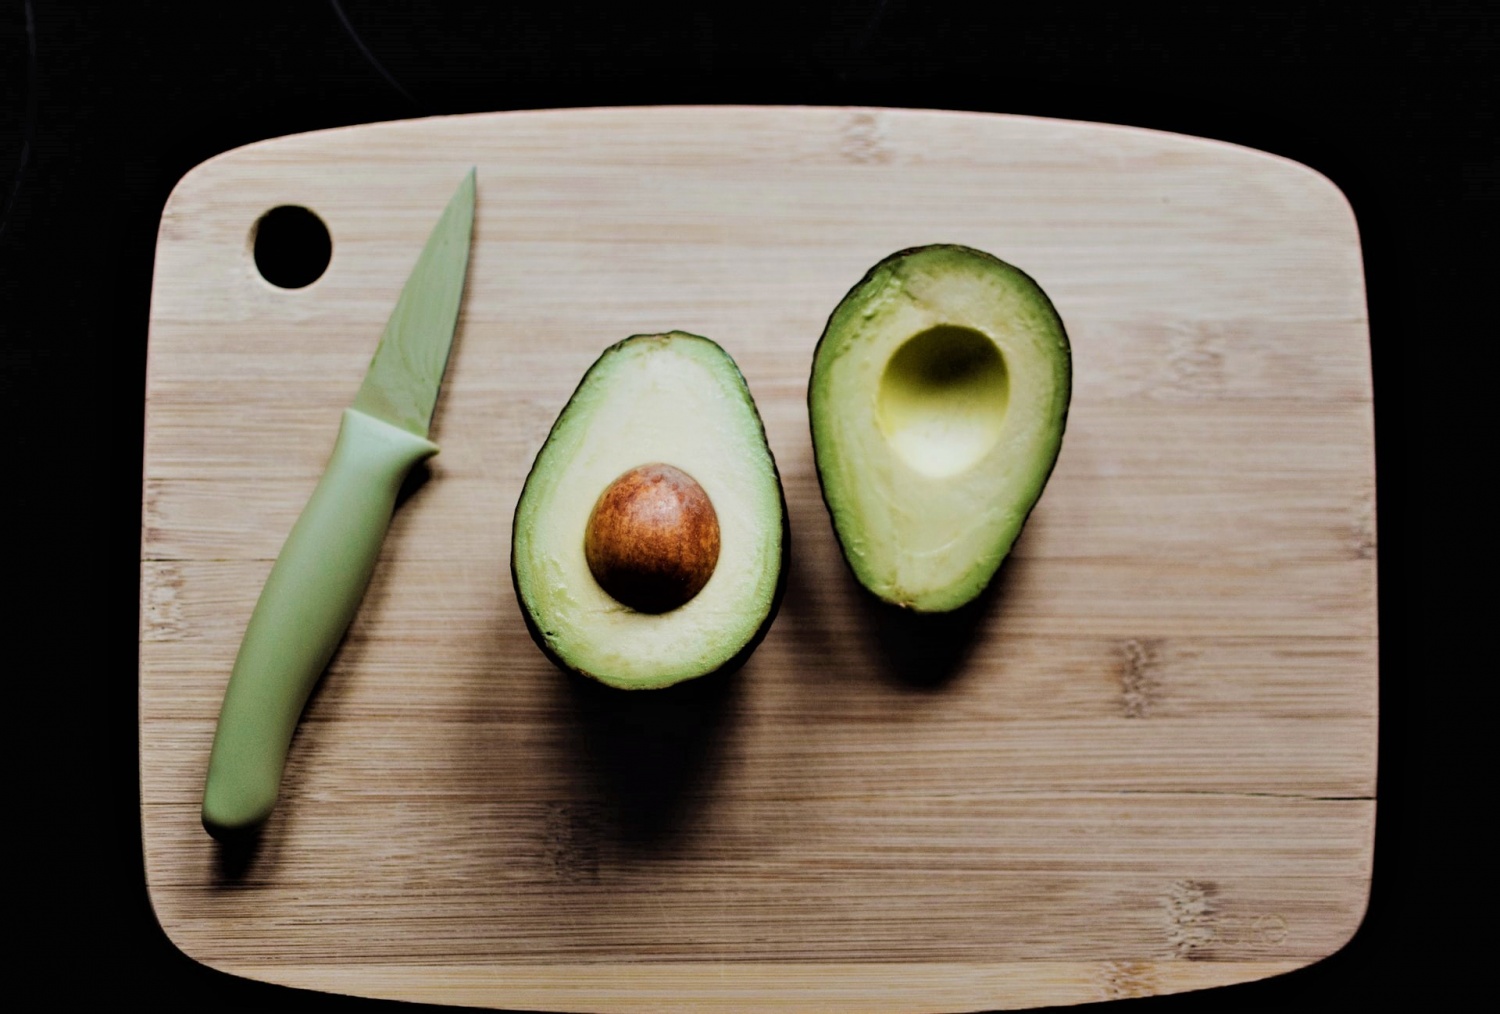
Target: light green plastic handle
303,613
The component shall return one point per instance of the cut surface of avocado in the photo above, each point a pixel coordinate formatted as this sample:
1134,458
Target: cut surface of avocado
667,417
938,399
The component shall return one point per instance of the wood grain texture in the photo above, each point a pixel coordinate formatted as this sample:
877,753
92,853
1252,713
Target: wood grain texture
1144,763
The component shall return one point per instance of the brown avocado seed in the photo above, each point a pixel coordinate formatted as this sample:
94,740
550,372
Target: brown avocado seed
653,539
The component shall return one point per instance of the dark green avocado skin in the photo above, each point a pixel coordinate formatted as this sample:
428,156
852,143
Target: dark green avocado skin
828,327
743,655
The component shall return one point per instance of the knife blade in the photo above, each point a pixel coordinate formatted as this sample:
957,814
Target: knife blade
323,569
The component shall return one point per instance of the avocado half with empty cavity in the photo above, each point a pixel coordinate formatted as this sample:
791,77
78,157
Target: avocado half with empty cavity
938,399
650,539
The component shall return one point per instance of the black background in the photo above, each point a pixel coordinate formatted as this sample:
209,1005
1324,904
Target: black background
103,107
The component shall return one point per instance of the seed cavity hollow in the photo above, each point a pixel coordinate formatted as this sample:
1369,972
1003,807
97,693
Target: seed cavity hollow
943,398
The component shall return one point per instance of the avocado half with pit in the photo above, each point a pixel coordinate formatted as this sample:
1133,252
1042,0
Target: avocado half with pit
938,399
650,540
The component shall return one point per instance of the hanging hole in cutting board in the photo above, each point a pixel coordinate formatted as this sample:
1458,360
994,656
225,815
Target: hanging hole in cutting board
291,245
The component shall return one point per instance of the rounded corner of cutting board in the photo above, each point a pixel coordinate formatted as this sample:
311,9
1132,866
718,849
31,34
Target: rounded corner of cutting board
171,931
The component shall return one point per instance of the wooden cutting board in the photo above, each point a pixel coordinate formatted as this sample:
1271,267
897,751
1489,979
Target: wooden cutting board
1145,764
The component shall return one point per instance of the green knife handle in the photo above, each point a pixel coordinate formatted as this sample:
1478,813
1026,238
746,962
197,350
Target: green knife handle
302,614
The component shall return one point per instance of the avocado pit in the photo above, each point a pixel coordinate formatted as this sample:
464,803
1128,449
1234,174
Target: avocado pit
652,540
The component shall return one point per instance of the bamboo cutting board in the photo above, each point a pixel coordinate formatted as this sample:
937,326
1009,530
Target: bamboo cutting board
1144,764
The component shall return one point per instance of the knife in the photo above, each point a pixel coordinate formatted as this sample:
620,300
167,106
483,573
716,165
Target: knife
323,569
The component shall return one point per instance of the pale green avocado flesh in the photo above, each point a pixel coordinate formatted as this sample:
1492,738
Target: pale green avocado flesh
938,400
679,400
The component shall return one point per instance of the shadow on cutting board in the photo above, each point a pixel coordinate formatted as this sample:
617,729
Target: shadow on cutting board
652,756
928,650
